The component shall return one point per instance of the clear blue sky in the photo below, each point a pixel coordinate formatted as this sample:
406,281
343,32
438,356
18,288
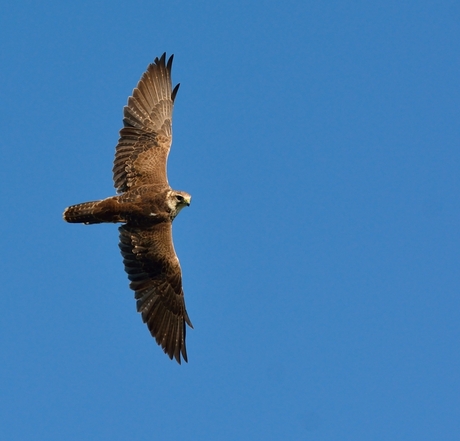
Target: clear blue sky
320,255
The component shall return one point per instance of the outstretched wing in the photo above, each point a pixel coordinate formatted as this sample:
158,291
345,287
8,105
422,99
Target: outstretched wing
154,271
145,140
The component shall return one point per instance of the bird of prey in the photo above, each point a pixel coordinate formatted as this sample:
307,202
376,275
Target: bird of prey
146,206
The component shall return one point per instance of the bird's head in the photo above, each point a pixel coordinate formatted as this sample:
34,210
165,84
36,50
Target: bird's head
176,200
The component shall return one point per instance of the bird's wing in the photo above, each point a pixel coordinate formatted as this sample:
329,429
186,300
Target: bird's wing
143,148
155,274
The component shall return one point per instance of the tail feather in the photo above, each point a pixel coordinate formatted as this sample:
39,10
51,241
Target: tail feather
86,213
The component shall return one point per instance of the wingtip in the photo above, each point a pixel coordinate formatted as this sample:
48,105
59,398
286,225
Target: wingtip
184,355
174,92
170,61
178,359
176,355
161,60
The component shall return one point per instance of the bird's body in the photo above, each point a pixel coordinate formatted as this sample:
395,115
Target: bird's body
142,206
147,206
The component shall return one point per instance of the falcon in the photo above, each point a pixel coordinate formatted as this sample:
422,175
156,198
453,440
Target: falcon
146,206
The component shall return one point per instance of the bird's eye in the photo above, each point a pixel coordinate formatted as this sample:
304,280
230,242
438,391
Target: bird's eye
179,197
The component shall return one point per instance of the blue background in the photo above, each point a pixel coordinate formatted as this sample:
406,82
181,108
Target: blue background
320,255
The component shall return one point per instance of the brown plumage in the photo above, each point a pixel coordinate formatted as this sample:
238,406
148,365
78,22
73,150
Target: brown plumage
147,206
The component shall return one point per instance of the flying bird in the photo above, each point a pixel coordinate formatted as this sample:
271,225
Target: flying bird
146,206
